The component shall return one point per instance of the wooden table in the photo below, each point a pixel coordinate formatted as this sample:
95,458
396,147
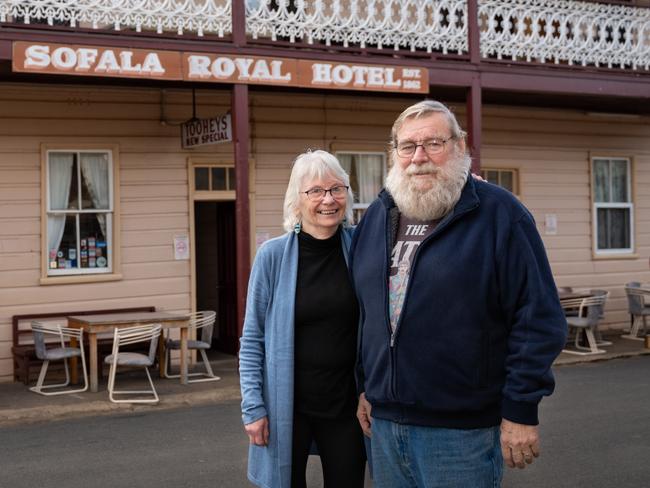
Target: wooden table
95,324
570,295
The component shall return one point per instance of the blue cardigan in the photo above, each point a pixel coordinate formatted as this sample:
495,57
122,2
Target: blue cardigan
266,356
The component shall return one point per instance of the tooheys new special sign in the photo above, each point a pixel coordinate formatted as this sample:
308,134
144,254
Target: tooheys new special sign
79,60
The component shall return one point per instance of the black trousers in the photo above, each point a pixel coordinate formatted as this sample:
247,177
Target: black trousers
340,446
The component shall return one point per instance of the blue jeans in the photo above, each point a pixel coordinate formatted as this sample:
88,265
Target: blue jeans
412,456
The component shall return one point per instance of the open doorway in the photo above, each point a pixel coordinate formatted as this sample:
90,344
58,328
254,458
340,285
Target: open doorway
216,277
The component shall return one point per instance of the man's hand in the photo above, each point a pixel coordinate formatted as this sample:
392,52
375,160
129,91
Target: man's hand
258,432
363,414
519,443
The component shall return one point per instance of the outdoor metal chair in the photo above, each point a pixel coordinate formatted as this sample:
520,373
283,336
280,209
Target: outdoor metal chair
590,310
199,321
64,334
638,309
132,335
599,339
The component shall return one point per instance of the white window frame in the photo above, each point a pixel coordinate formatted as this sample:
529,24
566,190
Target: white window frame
110,212
515,177
360,208
612,205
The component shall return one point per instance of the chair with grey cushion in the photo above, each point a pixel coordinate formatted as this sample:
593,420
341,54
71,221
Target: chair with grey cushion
201,323
64,352
599,339
132,335
638,309
590,310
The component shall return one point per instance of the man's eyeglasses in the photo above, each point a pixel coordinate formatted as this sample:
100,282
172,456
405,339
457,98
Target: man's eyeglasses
338,192
430,146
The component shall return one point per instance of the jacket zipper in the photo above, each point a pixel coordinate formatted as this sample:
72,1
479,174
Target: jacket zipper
391,350
444,223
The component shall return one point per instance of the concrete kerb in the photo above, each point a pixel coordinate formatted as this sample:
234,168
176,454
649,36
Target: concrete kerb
105,407
620,348
18,405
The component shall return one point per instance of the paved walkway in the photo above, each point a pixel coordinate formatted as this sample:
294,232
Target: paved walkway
19,405
620,348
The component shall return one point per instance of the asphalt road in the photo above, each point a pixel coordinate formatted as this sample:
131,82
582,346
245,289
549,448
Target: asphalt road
595,433
595,429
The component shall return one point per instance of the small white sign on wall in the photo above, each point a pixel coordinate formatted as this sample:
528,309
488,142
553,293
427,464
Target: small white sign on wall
550,224
181,247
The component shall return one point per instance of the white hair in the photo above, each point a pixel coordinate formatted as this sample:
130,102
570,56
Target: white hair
426,108
437,201
310,166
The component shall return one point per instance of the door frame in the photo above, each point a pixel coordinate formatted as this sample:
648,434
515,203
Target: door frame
213,196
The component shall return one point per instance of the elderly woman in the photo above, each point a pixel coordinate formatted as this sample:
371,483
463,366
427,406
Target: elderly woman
299,341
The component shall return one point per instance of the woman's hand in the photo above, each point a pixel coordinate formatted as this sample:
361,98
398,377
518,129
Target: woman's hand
258,432
364,409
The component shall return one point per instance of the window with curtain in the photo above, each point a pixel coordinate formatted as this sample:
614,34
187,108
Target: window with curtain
79,212
613,209
505,178
367,171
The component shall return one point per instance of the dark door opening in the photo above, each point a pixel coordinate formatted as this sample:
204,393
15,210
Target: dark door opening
216,277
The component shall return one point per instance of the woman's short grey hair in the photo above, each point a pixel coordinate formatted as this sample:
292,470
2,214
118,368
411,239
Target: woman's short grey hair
309,166
424,109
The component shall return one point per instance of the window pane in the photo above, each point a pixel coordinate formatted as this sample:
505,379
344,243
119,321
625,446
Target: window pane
614,228
601,180
370,175
62,241
93,244
218,178
619,180
507,181
493,177
347,163
201,179
94,181
366,172
232,182
62,181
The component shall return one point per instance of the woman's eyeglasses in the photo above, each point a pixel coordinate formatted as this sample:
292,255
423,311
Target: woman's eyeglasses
338,192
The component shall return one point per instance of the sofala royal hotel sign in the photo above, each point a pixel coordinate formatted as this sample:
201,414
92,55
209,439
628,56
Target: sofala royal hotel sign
100,61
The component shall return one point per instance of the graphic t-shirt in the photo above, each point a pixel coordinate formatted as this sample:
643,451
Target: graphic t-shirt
410,234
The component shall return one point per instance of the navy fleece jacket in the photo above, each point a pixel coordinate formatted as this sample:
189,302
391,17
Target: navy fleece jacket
481,322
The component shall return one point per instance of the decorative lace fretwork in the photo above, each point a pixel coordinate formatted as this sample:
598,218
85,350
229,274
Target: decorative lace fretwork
430,25
566,32
557,31
177,16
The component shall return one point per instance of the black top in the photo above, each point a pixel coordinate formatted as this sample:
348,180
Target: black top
326,321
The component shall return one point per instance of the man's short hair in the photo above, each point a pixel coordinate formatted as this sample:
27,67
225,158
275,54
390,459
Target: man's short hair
423,109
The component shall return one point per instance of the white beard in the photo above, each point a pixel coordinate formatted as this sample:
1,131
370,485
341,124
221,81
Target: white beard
431,199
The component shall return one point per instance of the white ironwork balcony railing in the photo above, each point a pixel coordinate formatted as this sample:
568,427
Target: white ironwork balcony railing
431,25
568,32
542,31
162,16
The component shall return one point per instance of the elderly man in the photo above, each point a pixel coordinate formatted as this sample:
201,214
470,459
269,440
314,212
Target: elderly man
460,316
